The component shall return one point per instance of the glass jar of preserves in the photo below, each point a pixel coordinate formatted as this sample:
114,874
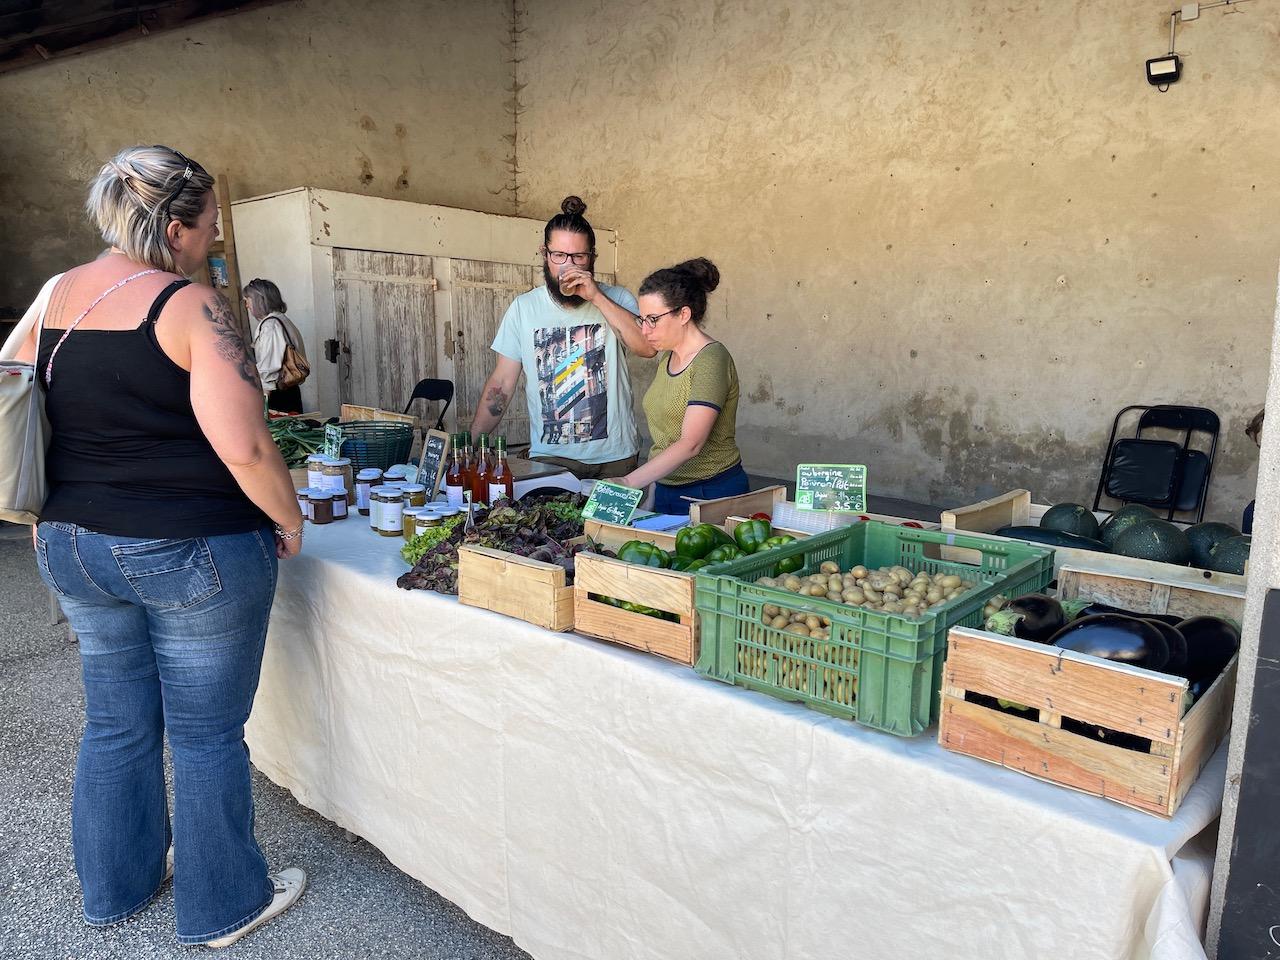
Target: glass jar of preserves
337,473
314,477
426,520
340,506
390,512
321,507
415,494
304,502
366,480
409,519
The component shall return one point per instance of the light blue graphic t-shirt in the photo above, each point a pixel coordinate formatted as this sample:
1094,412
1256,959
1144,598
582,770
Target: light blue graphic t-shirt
576,381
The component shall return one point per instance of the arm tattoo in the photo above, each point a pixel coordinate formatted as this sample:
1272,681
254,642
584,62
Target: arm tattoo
229,343
497,401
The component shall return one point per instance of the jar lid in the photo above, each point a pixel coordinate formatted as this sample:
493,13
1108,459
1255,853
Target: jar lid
449,512
413,511
414,488
316,458
396,472
370,473
338,491
339,462
319,493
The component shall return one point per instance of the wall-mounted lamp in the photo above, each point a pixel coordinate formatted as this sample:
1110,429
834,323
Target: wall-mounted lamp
1162,71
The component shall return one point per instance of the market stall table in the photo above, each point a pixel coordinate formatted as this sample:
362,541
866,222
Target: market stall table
593,802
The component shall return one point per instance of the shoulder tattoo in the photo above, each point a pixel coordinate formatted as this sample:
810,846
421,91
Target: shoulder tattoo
228,342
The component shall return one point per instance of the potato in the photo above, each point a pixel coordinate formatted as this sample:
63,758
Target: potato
835,583
818,590
855,595
858,572
835,595
949,582
791,582
766,582
902,575
799,629
934,595
871,596
780,622
892,606
771,611
813,622
829,566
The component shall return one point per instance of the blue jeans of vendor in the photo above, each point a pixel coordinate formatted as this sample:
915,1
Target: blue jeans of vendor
672,499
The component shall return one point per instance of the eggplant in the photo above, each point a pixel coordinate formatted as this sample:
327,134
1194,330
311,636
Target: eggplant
1095,608
1031,617
1211,643
1177,646
1115,637
1117,738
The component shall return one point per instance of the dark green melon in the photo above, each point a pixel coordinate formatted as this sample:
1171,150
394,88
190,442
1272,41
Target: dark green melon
1230,556
1204,537
1122,520
1157,540
1071,518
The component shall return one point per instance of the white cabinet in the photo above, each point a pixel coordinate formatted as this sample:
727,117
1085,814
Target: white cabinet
403,291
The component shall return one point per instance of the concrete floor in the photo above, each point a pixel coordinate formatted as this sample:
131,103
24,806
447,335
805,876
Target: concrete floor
356,905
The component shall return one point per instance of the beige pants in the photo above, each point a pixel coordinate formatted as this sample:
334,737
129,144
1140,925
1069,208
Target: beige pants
593,471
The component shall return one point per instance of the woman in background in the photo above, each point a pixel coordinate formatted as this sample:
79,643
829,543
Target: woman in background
272,332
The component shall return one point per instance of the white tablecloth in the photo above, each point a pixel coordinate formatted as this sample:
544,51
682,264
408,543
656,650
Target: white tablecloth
593,802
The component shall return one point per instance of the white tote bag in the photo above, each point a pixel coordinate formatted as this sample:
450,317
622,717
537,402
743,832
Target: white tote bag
24,429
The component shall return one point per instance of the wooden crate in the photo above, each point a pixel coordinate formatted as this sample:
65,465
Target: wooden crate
1062,683
743,505
668,590
1016,508
516,586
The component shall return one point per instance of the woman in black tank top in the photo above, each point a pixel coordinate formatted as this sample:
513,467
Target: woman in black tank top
169,507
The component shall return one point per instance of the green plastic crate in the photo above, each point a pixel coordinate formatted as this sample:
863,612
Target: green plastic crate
896,661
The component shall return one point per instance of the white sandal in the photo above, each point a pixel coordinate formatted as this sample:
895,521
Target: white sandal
289,885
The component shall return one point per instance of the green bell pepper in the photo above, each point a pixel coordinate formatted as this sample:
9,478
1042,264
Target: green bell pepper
687,564
788,564
720,554
643,554
750,535
697,541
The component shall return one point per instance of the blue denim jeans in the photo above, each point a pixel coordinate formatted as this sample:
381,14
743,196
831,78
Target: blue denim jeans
730,483
171,635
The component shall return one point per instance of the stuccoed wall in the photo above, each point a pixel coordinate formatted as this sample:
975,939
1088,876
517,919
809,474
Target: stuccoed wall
397,98
955,238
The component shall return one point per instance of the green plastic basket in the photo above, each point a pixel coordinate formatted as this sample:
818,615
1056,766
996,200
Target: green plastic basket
376,443
882,669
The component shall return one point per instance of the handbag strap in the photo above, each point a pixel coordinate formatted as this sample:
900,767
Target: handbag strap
283,329
48,370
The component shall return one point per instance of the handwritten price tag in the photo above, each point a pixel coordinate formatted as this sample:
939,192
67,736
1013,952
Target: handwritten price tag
831,486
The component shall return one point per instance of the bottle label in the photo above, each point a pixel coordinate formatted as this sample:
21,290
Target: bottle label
497,491
454,495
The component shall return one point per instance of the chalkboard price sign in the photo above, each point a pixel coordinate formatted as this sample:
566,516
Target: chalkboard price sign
831,486
332,440
612,503
431,462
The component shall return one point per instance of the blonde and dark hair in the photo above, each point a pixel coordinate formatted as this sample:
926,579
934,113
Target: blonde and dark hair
264,297
138,192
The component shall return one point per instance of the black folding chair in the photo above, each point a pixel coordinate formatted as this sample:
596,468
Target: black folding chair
1164,473
434,391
